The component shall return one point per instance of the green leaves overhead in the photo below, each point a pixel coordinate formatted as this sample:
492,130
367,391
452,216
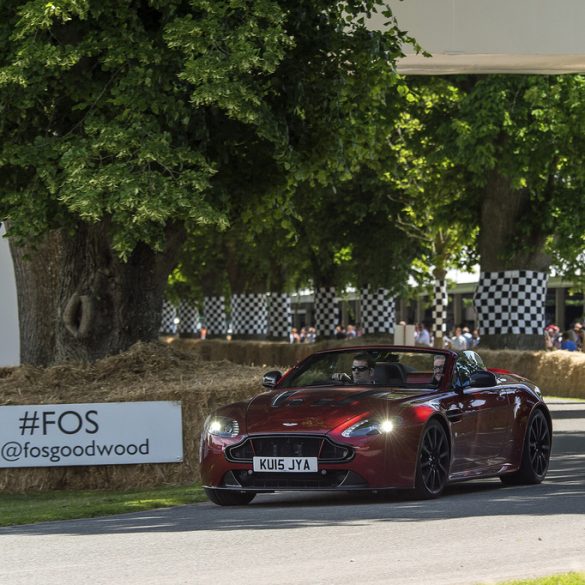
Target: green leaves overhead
148,112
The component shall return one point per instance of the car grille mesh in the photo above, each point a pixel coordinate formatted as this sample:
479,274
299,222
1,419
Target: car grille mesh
291,481
289,446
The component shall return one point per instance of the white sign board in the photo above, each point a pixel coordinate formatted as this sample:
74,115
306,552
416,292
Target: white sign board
113,433
9,334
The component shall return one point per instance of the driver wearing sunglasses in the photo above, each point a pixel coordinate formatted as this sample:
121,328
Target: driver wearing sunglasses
362,369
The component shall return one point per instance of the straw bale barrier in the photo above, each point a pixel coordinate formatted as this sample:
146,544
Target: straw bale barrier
202,375
146,372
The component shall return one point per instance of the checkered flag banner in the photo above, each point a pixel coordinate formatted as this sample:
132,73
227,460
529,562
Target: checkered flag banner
378,311
326,312
167,324
214,315
249,314
511,301
439,312
279,315
188,314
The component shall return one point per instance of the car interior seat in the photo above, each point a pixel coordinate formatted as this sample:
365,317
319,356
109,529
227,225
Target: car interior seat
389,374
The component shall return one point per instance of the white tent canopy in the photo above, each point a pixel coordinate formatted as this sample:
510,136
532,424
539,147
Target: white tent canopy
492,36
9,336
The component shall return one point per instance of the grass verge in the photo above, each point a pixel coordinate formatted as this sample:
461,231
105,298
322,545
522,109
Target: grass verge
561,579
67,505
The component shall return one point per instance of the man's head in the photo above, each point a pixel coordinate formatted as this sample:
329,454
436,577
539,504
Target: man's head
438,367
362,368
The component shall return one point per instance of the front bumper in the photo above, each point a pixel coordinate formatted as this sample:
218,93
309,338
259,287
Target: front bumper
375,462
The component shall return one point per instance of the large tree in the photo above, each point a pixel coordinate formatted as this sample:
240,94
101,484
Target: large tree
515,145
124,123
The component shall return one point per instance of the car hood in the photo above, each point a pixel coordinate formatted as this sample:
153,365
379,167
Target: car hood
320,409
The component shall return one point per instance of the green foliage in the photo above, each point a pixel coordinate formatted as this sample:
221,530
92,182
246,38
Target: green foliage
457,132
530,129
149,112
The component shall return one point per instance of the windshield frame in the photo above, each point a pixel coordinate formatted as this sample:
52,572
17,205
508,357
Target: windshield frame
337,355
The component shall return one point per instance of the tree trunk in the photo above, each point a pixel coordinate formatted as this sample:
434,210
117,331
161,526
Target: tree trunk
504,213
510,256
79,301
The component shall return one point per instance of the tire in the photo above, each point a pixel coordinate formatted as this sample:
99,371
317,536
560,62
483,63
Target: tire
535,453
229,497
432,466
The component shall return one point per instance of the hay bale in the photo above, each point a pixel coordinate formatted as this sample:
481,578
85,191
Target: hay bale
557,373
202,375
146,372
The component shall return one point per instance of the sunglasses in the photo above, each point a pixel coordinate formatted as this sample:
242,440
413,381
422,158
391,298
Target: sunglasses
359,368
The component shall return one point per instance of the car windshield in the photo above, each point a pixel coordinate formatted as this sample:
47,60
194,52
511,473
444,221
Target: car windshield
377,366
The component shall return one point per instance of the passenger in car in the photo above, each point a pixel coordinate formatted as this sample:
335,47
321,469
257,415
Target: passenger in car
438,369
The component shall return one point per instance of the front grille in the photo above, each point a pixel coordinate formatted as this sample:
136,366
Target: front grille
291,481
289,446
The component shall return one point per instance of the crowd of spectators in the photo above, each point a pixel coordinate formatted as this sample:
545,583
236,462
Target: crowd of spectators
460,338
573,339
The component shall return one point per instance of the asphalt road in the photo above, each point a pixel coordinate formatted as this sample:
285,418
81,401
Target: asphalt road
479,532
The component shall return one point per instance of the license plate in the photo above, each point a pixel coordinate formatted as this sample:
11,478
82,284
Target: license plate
286,464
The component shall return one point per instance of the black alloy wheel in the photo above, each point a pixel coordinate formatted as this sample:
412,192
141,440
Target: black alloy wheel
535,453
229,497
432,470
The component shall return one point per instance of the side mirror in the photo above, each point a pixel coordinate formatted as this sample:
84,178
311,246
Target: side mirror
483,379
270,379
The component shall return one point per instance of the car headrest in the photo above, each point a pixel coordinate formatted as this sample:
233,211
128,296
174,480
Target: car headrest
389,374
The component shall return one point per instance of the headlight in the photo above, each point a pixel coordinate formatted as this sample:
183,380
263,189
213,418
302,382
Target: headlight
366,428
222,426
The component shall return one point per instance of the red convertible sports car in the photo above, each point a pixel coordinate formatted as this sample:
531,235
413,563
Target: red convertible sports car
377,418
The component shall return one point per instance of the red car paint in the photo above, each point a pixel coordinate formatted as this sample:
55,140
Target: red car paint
485,427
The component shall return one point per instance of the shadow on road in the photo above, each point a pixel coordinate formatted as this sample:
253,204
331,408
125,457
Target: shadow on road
563,492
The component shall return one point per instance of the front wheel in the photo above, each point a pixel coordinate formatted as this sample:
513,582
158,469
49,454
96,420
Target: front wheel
432,469
229,497
535,453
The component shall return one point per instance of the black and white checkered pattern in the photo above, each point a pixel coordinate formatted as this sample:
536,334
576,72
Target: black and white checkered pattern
439,311
378,311
511,301
188,314
249,314
279,315
169,314
214,315
326,311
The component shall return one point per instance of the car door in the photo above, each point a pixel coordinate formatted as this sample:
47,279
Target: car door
481,419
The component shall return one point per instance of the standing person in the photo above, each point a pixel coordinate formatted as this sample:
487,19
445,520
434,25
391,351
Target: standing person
475,338
468,337
551,333
567,343
458,341
422,336
303,334
578,336
294,336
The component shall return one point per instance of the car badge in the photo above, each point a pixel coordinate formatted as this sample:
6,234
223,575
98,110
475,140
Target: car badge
290,424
